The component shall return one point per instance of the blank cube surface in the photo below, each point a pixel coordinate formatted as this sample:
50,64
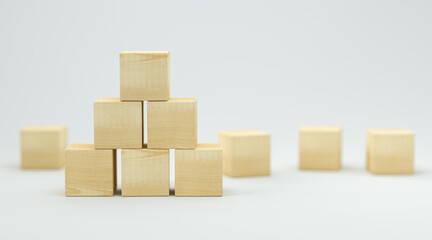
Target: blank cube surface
145,172
245,153
144,76
320,148
198,172
390,151
172,124
90,172
118,124
43,147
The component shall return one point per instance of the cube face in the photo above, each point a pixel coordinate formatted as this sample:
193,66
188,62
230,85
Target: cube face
42,147
90,172
390,151
145,172
320,148
245,153
198,172
144,76
172,124
118,124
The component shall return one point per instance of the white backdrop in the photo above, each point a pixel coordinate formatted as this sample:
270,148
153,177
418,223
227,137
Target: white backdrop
268,65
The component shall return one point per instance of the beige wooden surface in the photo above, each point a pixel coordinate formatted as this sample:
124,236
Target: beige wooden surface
390,151
42,147
118,124
90,172
172,124
245,153
198,172
145,172
144,76
320,148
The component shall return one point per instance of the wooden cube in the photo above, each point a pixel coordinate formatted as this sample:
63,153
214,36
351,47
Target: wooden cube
145,172
90,172
245,153
320,148
172,124
144,76
198,172
42,147
390,151
118,124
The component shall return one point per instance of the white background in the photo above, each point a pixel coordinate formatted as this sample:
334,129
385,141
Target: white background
268,65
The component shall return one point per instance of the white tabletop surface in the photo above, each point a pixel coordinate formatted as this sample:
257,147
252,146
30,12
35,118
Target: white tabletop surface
289,204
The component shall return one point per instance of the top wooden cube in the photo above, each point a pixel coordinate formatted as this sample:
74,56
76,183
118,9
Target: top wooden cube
43,147
144,76
390,151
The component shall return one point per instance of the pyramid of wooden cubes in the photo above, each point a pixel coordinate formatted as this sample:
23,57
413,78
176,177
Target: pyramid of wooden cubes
118,124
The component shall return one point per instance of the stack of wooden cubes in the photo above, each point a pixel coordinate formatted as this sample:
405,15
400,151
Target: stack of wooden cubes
118,124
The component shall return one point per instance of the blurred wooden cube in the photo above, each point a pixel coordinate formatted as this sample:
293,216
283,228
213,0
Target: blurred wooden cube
145,172
172,124
118,124
144,76
198,172
320,148
390,151
90,172
245,153
42,147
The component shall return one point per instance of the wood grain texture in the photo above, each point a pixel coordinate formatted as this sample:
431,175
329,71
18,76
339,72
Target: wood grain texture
118,124
172,124
144,76
145,172
198,172
320,148
390,151
245,153
42,147
90,172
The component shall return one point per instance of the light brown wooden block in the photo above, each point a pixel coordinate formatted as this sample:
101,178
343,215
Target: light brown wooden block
42,147
144,76
145,172
245,153
172,124
118,124
390,151
198,172
90,172
320,148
